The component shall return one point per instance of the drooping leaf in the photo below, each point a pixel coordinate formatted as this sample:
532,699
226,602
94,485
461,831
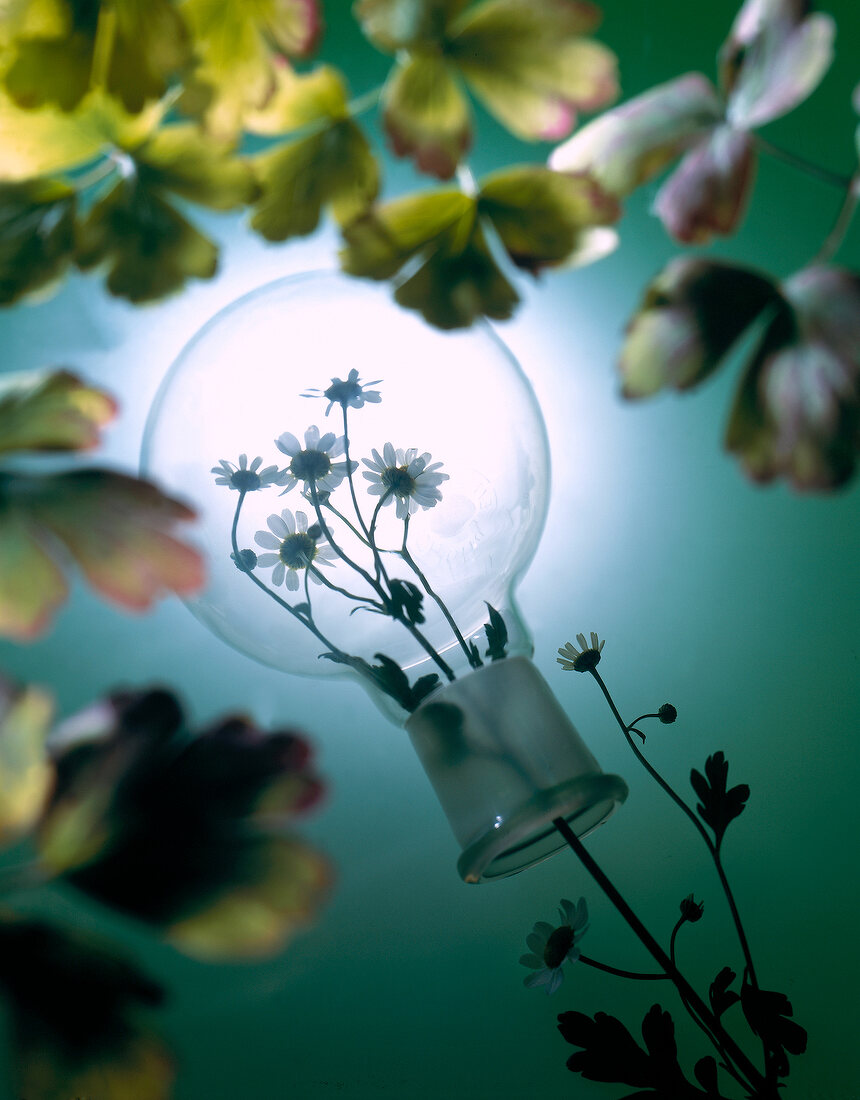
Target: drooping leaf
718,805
797,411
767,1014
542,218
36,236
691,315
145,43
51,410
529,64
239,48
719,994
426,114
497,635
119,531
25,771
77,1017
177,829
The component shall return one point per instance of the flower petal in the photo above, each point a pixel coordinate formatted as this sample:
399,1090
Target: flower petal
278,528
291,581
627,146
278,574
288,444
533,962
267,540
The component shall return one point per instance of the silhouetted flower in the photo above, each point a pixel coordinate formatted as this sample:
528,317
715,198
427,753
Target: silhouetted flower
297,548
245,478
404,477
348,392
583,659
692,910
312,463
667,714
551,947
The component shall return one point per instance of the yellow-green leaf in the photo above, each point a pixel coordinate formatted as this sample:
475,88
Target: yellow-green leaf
32,585
197,166
26,774
36,236
426,115
300,99
334,167
259,917
541,216
51,410
399,24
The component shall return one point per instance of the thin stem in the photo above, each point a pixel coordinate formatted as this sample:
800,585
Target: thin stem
721,1040
835,179
352,492
843,219
364,101
622,973
410,561
103,46
323,579
100,171
326,530
331,508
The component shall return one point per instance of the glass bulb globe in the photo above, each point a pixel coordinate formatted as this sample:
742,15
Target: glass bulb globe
240,384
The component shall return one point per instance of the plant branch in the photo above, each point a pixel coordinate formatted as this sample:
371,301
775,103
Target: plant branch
835,179
622,973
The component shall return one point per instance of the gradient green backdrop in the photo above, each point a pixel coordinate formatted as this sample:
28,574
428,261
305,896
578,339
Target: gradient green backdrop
739,604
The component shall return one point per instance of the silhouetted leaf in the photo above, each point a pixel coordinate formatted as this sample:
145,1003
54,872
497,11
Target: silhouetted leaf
391,678
720,996
497,635
175,828
705,1071
26,773
51,410
718,805
117,529
76,1013
407,601
449,738
36,236
767,1014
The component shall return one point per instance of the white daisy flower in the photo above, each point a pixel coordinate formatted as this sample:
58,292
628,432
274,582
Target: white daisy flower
245,478
348,393
405,477
296,547
552,947
583,659
313,462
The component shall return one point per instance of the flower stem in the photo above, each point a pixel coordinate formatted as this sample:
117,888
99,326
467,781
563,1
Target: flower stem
835,179
622,973
721,1040
843,220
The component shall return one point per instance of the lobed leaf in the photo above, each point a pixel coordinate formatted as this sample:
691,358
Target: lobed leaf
403,24
497,635
719,994
26,774
36,236
767,1014
718,805
51,410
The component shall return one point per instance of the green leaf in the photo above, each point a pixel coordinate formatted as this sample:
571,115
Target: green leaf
36,236
497,635
526,60
691,315
26,774
542,217
187,162
426,115
119,531
239,47
334,168
397,24
51,410
299,100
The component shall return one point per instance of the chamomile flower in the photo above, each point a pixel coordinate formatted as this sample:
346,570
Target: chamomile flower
296,547
348,393
313,463
405,477
247,479
551,947
583,659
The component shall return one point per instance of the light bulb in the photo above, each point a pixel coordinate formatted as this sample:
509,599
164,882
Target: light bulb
404,486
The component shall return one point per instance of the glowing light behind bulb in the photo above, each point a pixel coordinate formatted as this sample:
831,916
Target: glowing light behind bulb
236,387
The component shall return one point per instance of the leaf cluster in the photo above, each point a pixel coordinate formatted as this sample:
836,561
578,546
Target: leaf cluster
719,805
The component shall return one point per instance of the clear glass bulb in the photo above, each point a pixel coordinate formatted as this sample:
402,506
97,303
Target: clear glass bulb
460,398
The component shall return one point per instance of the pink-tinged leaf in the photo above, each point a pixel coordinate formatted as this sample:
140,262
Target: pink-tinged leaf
119,531
692,314
527,61
797,412
629,145
774,58
426,115
51,410
707,193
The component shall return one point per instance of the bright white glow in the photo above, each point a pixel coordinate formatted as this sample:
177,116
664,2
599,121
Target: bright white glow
237,386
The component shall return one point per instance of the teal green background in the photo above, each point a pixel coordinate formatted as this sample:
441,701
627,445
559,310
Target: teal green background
739,604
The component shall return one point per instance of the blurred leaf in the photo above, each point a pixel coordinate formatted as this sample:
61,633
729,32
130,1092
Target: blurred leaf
401,24
26,774
36,236
300,100
767,1014
175,829
527,62
239,47
426,114
118,530
51,410
719,805
797,411
74,1010
497,635
719,994
690,317
391,679
145,42
37,143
